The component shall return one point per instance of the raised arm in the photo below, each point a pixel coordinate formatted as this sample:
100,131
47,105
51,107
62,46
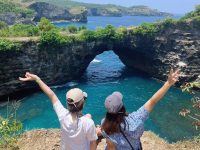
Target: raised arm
172,79
43,86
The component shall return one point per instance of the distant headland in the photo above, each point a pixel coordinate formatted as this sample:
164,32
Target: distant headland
31,11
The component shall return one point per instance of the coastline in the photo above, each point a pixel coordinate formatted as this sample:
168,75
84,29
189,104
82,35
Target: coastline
61,21
49,139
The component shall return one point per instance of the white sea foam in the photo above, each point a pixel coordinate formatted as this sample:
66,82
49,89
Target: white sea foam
96,61
72,84
69,84
2,104
181,64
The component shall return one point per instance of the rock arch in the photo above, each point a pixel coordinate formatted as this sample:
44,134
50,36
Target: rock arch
153,55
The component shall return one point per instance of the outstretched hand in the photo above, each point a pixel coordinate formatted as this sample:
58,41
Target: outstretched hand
173,76
29,77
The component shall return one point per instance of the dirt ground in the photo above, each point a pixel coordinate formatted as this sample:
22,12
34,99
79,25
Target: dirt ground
49,139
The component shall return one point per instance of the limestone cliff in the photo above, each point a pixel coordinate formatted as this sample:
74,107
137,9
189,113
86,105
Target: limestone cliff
55,13
13,12
54,67
171,47
154,55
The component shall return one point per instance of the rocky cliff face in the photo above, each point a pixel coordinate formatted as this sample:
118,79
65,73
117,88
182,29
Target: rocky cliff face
55,13
54,67
12,18
174,45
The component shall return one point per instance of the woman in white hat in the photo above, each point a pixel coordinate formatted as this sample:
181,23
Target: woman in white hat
78,132
122,130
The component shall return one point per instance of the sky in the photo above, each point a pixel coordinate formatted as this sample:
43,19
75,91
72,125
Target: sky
172,6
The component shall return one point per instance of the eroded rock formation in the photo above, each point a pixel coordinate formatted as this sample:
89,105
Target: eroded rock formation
175,46
55,13
153,55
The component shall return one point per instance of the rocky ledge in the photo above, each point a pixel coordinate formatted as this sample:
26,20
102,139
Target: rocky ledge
49,139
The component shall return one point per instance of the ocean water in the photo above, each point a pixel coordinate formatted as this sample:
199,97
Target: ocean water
106,74
94,22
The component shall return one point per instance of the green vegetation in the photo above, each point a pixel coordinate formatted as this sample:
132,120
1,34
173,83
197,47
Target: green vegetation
45,25
194,113
20,30
52,39
72,29
109,33
25,1
167,22
77,10
105,33
146,29
192,14
82,28
10,127
3,25
25,30
86,35
106,9
11,7
7,45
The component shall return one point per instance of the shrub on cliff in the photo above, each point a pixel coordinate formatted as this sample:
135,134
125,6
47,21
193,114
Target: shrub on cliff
10,127
82,28
167,22
146,29
192,114
86,35
6,45
52,40
192,14
107,33
72,29
120,33
9,130
20,30
24,30
196,22
3,25
9,7
45,25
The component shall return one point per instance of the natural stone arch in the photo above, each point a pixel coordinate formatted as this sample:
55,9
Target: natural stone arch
151,54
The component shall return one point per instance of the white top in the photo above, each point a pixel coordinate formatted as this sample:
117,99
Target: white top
74,136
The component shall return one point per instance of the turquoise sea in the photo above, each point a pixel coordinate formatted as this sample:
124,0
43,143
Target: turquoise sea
106,74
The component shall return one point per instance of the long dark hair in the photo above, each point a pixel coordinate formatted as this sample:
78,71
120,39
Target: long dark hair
113,121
